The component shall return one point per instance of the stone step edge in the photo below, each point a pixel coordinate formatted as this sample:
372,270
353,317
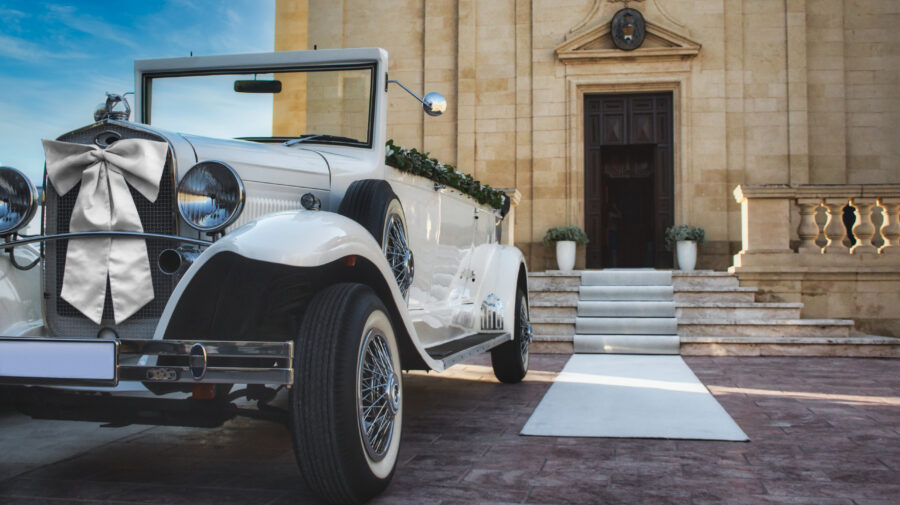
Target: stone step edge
675,289
702,273
556,273
867,340
675,273
739,305
551,303
560,289
713,322
552,320
682,304
715,289
773,322
871,340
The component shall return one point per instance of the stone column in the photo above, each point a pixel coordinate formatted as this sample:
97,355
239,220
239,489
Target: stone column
808,230
890,227
863,229
834,228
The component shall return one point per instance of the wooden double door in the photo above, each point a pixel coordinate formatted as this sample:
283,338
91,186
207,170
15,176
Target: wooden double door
628,179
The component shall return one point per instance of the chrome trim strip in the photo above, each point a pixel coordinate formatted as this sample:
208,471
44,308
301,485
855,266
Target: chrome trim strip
237,349
101,234
214,375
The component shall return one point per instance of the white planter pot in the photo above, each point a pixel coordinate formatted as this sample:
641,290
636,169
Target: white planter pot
565,254
687,254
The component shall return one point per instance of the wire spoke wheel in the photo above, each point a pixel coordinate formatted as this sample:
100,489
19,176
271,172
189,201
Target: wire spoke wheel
378,394
526,333
347,399
510,360
397,252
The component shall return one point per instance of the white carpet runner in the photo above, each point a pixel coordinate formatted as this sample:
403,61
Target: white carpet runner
630,396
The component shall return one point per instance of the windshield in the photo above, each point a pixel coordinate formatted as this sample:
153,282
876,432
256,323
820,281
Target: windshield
324,105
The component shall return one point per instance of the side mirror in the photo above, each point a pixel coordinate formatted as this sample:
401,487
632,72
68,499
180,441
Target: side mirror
434,104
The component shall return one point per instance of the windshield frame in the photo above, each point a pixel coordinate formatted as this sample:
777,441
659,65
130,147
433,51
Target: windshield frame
146,87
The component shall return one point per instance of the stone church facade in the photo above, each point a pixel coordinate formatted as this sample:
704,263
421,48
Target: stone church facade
773,124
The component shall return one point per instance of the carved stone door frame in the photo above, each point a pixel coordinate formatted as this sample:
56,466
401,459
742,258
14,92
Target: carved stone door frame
578,86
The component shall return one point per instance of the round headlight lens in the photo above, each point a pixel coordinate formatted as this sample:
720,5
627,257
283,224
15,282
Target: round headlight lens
210,196
18,200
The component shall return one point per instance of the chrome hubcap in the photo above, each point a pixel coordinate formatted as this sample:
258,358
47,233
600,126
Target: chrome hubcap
379,395
393,394
398,254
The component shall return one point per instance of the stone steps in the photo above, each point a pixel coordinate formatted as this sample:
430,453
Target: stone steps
736,311
626,326
554,309
626,311
715,315
766,328
626,293
736,295
626,278
704,279
860,346
627,344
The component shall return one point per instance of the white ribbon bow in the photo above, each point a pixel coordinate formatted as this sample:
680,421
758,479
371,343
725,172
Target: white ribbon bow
104,203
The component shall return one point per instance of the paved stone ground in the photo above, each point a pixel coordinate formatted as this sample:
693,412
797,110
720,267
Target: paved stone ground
823,431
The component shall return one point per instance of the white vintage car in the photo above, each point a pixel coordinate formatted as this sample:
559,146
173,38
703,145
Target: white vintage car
292,256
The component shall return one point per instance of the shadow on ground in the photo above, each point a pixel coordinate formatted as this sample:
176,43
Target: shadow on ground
823,431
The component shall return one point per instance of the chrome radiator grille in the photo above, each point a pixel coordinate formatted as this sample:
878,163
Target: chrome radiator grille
63,319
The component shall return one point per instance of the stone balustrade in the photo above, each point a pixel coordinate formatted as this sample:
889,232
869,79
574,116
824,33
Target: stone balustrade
796,248
773,215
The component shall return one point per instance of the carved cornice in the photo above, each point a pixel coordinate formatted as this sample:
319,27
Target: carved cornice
578,48
656,7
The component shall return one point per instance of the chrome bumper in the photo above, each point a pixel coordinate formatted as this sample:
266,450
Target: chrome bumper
48,361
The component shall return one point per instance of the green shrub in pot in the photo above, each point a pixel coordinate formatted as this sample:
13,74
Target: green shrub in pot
684,232
561,233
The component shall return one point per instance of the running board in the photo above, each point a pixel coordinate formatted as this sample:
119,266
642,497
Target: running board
455,351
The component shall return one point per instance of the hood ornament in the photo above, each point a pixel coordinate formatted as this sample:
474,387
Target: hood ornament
111,110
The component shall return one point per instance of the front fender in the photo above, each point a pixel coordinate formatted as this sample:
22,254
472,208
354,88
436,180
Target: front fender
503,269
301,239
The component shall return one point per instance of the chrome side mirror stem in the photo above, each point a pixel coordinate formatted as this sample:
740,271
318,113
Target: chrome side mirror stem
434,103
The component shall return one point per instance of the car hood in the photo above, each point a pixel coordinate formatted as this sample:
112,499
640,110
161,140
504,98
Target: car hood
269,163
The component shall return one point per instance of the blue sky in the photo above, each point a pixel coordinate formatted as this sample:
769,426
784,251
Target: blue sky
58,59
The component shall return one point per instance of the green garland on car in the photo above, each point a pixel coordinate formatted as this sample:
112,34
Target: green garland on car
416,163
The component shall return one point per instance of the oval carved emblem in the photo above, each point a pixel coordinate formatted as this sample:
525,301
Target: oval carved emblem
628,29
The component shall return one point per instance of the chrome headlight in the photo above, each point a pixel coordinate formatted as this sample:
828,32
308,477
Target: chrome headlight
18,200
210,196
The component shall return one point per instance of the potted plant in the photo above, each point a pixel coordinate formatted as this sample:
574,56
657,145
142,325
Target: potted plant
685,238
566,237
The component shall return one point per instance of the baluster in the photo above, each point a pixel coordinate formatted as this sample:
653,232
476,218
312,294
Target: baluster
808,230
863,229
890,226
834,228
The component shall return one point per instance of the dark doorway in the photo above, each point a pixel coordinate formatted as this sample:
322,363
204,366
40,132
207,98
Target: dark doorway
628,180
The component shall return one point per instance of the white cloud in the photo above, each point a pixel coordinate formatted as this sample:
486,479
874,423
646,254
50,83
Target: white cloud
89,25
23,50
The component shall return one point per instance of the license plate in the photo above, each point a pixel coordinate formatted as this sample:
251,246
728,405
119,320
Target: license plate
63,362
